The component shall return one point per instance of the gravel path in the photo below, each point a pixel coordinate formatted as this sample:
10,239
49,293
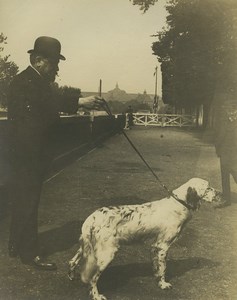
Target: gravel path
202,264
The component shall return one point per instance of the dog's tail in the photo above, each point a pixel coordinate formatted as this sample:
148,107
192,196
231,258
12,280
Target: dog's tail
88,265
84,242
74,262
85,256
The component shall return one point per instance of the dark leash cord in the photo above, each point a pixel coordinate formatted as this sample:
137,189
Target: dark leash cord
170,193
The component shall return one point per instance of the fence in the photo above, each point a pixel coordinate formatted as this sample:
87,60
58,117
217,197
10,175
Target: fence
164,120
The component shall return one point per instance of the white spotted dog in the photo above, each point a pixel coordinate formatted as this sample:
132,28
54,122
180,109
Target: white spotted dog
107,228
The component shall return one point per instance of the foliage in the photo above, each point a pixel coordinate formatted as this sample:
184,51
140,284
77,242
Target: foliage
118,107
197,50
8,70
144,4
137,105
67,91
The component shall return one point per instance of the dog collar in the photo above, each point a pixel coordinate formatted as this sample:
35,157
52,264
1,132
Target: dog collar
189,207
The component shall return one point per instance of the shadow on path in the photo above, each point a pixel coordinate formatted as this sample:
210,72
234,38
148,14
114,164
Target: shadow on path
61,238
117,276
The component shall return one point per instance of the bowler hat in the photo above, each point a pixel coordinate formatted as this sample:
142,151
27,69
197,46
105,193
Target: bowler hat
48,47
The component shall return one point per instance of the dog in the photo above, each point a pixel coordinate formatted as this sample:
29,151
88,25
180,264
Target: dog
109,227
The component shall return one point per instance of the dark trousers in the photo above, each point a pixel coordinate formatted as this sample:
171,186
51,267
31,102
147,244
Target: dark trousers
25,191
227,169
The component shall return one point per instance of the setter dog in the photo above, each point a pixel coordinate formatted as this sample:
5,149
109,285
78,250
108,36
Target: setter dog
163,220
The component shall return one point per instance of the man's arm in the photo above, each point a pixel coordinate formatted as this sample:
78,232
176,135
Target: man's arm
71,104
91,102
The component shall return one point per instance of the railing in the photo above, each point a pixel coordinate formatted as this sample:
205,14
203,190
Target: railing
164,120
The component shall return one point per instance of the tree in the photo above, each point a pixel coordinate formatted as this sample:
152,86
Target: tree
8,70
196,50
144,4
116,107
67,91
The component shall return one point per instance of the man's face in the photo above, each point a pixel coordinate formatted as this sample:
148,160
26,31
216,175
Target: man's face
49,68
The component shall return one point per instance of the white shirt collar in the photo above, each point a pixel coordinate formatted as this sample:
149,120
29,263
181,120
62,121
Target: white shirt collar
36,70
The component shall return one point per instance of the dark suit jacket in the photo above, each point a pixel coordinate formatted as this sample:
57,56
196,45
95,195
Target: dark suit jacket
33,115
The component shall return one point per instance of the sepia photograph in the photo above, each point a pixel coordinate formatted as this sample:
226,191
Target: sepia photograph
118,149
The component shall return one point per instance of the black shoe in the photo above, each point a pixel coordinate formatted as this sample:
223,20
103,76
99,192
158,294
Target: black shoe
12,251
38,263
223,204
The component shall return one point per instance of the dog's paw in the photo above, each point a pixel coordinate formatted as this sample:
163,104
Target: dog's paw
165,285
99,297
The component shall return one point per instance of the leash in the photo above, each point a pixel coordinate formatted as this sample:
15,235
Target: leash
170,193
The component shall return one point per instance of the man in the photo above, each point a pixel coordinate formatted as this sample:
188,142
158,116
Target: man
33,117
226,143
130,117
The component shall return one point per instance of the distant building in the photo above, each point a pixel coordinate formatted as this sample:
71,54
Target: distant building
117,95
122,96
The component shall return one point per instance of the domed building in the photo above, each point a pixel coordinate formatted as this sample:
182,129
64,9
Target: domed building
117,95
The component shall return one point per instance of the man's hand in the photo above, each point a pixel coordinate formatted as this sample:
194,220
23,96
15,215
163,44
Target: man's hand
91,102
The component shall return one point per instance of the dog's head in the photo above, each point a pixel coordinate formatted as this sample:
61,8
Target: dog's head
205,191
197,189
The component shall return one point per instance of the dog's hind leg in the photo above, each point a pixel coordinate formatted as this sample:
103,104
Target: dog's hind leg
159,251
104,255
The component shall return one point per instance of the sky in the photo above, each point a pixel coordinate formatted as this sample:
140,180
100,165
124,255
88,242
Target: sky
101,39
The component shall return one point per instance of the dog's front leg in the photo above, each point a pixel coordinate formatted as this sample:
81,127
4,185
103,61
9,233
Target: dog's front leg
159,251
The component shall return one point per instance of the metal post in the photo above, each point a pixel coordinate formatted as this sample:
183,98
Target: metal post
155,105
100,88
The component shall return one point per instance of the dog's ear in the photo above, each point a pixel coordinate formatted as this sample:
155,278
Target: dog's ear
192,198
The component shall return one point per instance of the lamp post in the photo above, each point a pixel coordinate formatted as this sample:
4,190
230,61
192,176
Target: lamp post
100,88
155,104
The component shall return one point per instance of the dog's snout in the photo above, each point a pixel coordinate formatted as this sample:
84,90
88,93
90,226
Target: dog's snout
218,196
